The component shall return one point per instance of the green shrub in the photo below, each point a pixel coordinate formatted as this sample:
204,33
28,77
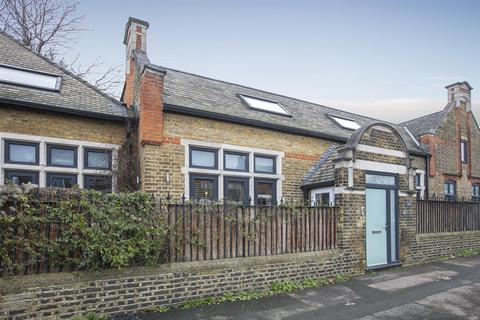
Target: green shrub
91,316
95,230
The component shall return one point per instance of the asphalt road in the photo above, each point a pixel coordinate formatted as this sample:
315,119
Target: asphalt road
444,290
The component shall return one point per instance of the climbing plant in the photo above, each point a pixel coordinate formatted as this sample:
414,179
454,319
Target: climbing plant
42,230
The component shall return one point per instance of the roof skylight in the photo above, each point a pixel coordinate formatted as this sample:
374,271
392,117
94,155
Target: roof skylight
346,123
264,105
30,78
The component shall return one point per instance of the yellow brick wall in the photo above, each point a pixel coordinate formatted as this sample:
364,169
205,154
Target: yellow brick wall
300,152
58,125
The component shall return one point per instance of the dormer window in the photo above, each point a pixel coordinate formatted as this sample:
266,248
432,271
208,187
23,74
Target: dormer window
345,123
265,105
30,78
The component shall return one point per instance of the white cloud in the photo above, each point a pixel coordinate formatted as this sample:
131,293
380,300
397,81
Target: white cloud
393,110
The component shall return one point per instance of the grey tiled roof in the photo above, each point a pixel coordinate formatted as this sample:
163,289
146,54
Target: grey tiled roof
76,95
190,93
428,123
323,171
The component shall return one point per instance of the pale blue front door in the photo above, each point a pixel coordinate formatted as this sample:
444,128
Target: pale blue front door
376,216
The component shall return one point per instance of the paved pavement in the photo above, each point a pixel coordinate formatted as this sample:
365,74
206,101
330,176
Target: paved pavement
444,290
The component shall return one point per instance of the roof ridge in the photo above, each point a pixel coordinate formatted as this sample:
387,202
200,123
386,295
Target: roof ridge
85,82
427,115
269,92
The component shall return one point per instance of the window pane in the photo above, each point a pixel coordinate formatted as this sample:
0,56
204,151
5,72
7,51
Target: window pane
203,158
20,177
264,193
346,123
463,151
62,180
378,179
99,183
265,105
322,199
98,159
29,78
236,161
22,153
62,157
203,189
264,164
235,191
418,177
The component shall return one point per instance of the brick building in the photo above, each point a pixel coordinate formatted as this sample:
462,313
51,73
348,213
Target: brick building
55,129
203,137
208,139
453,139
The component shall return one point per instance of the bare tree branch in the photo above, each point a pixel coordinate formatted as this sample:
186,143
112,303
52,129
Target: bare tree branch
47,27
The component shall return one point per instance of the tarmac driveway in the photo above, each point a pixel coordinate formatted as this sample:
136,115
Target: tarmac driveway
443,290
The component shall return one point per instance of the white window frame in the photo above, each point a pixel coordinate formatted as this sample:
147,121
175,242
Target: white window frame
42,168
221,172
329,190
463,151
32,73
421,187
338,120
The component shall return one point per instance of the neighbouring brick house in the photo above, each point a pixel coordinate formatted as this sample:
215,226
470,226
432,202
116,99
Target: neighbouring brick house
453,139
55,129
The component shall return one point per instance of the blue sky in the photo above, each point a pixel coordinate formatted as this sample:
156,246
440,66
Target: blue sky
386,59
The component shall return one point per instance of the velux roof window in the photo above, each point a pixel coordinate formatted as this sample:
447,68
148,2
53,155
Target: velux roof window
29,78
345,123
265,105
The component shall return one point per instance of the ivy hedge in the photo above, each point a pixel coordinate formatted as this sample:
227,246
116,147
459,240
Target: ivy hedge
45,230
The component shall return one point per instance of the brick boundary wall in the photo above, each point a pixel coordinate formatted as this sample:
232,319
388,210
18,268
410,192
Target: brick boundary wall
430,247
65,295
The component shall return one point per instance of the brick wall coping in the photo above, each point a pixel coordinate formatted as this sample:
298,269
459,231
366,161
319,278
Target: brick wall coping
448,234
16,284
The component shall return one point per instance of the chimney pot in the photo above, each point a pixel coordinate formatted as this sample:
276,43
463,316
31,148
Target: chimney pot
135,38
460,92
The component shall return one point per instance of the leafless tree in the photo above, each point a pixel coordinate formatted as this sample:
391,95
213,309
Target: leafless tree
50,26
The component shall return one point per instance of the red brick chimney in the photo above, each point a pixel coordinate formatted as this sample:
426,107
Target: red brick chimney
143,83
135,39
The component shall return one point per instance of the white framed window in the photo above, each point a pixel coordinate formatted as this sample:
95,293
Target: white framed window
56,162
322,197
345,123
232,173
30,78
464,151
420,183
265,105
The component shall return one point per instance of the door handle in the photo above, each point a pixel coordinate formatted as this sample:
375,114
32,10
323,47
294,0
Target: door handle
376,231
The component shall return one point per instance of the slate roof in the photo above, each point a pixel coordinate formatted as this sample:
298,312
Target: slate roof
428,123
323,171
202,96
76,96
